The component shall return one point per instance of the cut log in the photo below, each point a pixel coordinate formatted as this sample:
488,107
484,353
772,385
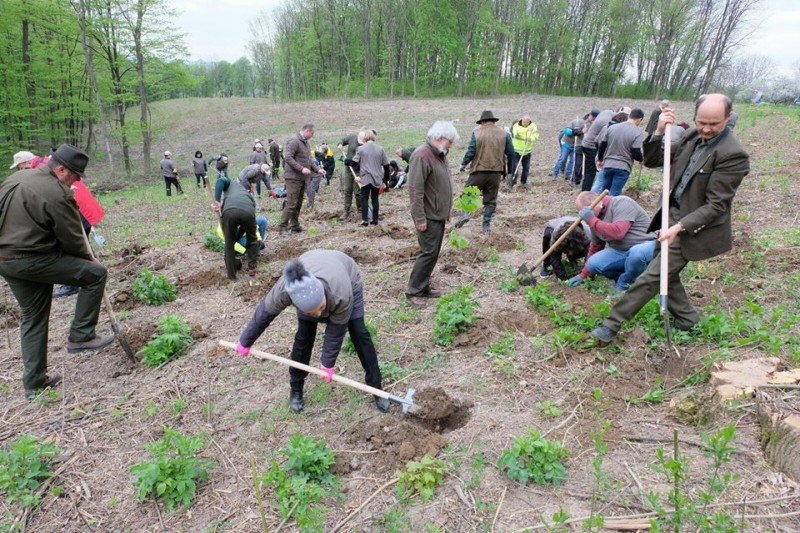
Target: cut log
780,432
737,379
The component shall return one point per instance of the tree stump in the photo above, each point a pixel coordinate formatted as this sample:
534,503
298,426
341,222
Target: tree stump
780,430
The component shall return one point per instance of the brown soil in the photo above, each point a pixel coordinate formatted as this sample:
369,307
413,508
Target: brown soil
397,441
124,299
438,412
197,281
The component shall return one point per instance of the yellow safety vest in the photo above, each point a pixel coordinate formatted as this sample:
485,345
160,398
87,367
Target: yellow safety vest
523,137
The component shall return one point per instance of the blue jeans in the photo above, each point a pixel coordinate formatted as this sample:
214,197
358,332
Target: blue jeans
266,180
261,224
567,153
624,267
613,179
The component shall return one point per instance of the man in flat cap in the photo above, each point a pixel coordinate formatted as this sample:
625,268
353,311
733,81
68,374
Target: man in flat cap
488,148
42,243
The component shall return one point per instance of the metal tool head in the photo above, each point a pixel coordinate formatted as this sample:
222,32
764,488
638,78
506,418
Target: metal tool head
407,400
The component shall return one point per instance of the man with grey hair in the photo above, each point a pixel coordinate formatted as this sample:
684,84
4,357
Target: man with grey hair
170,173
299,165
430,191
708,165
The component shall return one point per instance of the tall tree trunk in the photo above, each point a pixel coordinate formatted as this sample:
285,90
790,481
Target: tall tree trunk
144,120
29,87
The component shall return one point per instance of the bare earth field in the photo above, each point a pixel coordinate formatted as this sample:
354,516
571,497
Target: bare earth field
108,410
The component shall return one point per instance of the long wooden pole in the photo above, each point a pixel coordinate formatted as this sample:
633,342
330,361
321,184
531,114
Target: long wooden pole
663,294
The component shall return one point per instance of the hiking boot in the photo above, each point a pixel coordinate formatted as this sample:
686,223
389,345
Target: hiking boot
382,404
296,229
684,326
65,290
544,272
463,219
374,223
93,344
364,224
604,334
433,293
486,227
525,186
50,382
417,301
296,401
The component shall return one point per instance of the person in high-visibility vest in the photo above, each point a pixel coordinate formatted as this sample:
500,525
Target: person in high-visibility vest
523,134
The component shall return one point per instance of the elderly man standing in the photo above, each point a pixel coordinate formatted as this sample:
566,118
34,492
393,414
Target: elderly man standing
259,157
170,172
299,165
42,243
488,147
708,165
22,160
431,194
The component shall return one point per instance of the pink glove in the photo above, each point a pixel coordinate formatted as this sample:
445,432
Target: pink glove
328,373
244,351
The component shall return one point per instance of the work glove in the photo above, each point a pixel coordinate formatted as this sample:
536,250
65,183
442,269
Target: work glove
244,351
586,213
328,373
341,158
574,281
461,168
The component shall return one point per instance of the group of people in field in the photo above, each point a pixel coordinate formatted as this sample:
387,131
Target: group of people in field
42,240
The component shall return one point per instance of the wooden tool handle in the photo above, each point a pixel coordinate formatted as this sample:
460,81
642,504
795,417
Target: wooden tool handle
310,369
106,301
665,218
569,230
211,195
348,166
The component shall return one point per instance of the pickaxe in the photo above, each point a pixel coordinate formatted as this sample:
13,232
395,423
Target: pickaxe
406,401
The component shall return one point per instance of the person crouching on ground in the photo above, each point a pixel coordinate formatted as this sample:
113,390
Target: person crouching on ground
622,246
373,167
324,286
575,246
239,214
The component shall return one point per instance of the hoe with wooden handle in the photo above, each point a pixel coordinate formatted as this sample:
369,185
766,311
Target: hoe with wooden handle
405,402
663,296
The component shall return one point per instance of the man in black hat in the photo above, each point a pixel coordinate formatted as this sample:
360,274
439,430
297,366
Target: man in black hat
488,147
41,244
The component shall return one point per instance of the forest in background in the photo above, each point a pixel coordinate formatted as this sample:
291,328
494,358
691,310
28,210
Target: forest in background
85,71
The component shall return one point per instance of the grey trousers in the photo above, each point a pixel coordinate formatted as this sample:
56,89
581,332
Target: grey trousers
430,242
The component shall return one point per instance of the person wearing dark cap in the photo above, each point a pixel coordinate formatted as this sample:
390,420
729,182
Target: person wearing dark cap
486,153
41,244
324,286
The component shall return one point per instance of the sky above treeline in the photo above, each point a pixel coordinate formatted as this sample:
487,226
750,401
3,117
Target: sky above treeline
219,30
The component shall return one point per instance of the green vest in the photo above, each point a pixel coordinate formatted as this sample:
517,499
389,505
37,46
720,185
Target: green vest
237,197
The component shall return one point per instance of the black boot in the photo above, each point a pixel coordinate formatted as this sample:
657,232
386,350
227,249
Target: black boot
296,401
382,404
488,212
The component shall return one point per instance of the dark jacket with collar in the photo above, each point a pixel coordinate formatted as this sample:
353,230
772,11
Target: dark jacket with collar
705,205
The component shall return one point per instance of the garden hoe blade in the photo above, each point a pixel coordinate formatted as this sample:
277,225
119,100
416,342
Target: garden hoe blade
664,274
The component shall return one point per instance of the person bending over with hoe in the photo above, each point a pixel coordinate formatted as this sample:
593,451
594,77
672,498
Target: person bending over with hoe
324,286
575,246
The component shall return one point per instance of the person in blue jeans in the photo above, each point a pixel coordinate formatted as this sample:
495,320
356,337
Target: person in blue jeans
619,146
621,246
567,138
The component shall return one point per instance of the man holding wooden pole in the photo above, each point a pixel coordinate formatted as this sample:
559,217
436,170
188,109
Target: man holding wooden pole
708,165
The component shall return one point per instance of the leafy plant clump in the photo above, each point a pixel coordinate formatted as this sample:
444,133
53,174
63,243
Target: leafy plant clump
152,289
469,201
534,458
23,468
170,344
454,314
421,478
457,241
214,242
174,474
303,481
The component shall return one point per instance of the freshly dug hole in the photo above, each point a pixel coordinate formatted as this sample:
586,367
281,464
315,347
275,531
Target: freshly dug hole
437,411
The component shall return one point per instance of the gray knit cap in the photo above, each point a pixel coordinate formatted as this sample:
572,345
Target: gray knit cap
305,290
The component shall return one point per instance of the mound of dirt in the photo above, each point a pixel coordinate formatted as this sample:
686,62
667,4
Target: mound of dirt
253,289
406,253
283,251
396,231
132,251
123,300
361,255
214,277
438,412
396,442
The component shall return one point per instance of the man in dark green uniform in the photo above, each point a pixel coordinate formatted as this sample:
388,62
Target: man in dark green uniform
41,244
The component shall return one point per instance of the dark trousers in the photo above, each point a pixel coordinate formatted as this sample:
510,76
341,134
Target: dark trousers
577,170
304,344
488,182
526,166
201,177
590,168
293,203
348,189
276,165
328,175
368,192
233,222
647,285
430,243
31,280
169,182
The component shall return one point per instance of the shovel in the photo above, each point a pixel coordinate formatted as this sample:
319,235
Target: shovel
405,402
566,233
662,299
115,325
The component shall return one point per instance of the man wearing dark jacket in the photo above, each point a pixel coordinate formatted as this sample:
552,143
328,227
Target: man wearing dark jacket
170,173
324,286
488,149
431,193
275,157
708,165
42,243
299,165
349,188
